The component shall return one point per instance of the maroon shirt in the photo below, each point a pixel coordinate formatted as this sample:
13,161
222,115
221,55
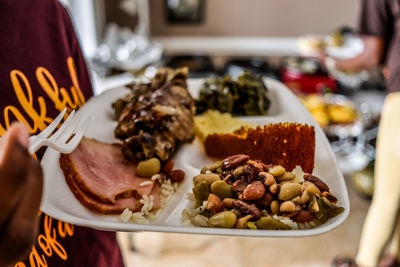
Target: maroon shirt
42,71
381,18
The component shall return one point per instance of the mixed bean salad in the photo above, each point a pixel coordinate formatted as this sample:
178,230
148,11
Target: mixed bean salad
238,192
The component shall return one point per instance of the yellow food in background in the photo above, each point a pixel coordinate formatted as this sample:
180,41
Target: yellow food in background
341,114
213,121
313,102
321,117
327,113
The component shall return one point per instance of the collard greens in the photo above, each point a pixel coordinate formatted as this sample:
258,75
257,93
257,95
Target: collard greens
246,96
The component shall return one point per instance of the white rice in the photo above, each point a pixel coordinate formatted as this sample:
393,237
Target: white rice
125,215
156,177
308,225
147,204
286,221
145,183
138,217
146,215
191,216
201,220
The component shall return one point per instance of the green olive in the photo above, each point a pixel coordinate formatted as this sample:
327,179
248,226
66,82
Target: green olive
277,171
204,170
251,226
312,189
208,177
287,176
289,191
228,203
275,207
215,166
238,171
221,189
224,219
269,223
148,168
201,192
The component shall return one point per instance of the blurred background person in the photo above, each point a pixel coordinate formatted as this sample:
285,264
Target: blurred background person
379,27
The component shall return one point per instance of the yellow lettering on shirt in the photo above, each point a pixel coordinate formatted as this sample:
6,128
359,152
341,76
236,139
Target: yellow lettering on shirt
48,241
65,229
33,113
60,96
35,259
37,120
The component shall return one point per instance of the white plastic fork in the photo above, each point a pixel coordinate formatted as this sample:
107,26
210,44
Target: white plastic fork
72,126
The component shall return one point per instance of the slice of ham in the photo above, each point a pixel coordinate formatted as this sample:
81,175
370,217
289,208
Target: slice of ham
103,181
105,174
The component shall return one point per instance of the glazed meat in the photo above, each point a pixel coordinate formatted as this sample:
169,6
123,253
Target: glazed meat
156,117
103,180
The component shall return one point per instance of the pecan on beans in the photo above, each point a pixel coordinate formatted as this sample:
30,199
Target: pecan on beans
234,161
247,208
318,182
239,186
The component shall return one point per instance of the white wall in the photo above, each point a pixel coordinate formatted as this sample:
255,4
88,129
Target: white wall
262,17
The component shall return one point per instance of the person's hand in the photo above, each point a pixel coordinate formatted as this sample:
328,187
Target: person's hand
20,194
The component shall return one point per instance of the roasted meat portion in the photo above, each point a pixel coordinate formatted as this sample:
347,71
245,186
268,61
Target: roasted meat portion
156,117
103,181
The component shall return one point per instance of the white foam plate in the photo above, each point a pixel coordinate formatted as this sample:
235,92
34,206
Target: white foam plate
59,202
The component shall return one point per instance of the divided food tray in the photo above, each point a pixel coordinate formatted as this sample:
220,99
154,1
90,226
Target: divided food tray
59,202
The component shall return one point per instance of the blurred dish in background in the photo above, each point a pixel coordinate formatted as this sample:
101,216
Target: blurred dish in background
336,114
311,44
200,66
370,104
351,125
235,67
341,43
351,47
185,11
306,75
363,180
353,154
347,79
124,50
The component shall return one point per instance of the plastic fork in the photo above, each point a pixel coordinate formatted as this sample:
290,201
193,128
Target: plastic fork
65,139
